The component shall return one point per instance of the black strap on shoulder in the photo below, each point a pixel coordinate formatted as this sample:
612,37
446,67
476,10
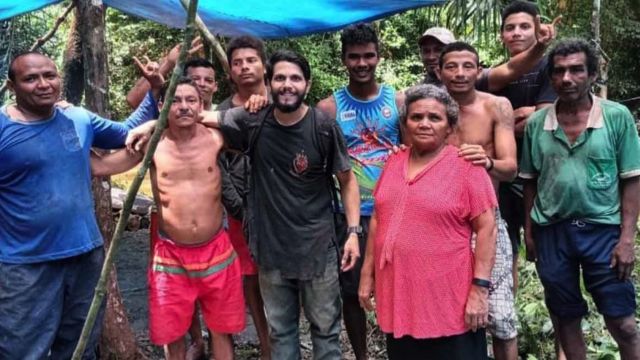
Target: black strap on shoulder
253,139
325,141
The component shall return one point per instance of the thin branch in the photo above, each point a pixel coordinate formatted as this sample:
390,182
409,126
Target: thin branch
44,38
135,186
217,47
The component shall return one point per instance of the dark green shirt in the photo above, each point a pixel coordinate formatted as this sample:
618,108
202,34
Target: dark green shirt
580,180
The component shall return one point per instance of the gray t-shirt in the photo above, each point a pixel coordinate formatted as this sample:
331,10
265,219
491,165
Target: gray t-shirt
289,213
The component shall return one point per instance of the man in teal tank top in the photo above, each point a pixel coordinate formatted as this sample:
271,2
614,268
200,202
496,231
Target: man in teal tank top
368,114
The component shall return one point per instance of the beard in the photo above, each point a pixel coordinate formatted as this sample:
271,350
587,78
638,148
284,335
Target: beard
287,108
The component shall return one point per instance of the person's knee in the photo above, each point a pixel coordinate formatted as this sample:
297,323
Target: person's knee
569,325
624,329
221,338
222,345
175,350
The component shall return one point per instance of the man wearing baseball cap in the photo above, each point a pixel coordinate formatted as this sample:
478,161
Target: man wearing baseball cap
434,39
431,44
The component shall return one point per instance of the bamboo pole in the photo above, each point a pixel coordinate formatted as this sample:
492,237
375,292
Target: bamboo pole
217,47
135,186
44,38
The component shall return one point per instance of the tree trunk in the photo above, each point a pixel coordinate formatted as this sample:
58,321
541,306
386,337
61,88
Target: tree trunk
5,52
118,340
603,76
72,67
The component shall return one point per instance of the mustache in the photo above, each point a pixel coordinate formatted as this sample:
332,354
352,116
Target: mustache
185,113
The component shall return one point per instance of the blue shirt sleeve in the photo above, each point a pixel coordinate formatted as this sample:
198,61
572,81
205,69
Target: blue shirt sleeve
109,134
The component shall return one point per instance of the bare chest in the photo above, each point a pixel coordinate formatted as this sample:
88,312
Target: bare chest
473,128
180,164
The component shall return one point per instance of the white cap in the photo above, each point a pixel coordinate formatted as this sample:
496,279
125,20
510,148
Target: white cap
441,34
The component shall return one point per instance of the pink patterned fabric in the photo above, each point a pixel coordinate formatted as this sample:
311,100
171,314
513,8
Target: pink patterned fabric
423,258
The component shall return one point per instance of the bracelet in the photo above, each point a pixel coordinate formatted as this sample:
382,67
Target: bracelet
481,282
490,164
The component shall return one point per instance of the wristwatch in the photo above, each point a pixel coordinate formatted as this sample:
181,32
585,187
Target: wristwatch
354,230
481,282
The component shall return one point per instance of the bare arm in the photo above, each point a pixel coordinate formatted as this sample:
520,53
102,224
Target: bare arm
529,194
210,119
623,255
484,225
505,165
367,274
142,86
255,103
350,195
400,106
518,65
477,308
521,114
114,163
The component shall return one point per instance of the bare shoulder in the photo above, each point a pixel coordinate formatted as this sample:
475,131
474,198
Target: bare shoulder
498,106
328,106
214,134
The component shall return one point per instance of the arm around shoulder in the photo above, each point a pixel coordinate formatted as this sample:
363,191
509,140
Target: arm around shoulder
114,163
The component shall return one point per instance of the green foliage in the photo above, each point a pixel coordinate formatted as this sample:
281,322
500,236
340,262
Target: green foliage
535,328
128,37
621,41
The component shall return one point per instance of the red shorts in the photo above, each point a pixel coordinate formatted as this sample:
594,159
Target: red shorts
181,275
236,234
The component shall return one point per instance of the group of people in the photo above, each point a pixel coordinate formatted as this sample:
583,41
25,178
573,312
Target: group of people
407,198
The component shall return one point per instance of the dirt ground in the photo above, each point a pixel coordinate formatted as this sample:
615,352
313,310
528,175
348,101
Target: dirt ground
131,263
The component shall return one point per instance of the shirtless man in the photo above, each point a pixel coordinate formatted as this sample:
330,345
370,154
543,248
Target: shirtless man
202,72
485,137
193,259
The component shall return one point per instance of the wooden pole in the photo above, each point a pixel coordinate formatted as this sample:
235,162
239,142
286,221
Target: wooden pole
135,186
218,50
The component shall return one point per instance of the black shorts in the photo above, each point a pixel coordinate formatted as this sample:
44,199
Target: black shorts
468,346
350,280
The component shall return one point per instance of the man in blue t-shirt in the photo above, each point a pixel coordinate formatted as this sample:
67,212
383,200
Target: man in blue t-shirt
367,113
50,245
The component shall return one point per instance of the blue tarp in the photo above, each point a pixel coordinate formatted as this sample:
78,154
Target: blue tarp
262,18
